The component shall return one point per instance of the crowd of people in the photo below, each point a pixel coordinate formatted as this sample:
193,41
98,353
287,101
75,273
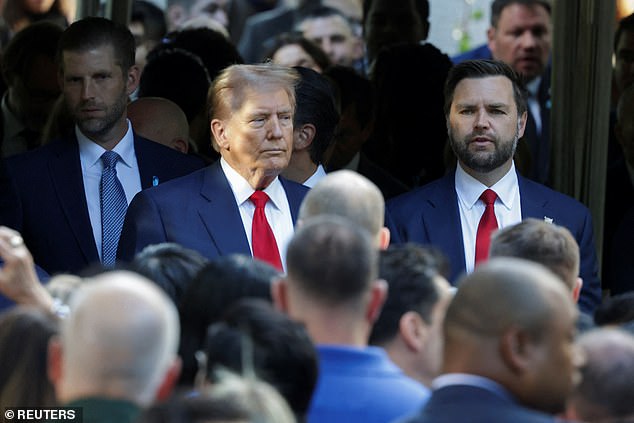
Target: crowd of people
225,212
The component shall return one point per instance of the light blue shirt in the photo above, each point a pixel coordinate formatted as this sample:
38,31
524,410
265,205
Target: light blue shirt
315,177
92,167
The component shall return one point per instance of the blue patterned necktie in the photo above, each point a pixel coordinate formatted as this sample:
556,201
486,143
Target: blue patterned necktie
113,208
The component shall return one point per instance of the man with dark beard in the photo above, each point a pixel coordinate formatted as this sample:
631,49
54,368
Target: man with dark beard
74,191
485,108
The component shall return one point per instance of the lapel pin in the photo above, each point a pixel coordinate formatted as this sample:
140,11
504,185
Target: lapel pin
155,181
548,219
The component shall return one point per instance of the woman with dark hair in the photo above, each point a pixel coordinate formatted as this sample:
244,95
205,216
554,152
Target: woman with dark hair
24,335
292,49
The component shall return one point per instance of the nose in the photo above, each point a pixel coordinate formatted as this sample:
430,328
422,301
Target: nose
87,91
275,128
528,39
481,119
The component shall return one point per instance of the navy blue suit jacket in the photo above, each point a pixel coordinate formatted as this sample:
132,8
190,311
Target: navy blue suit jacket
198,211
430,215
464,403
53,218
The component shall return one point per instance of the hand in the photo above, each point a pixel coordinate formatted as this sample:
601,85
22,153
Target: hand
18,280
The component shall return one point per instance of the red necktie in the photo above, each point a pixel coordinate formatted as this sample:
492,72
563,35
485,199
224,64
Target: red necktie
488,223
262,238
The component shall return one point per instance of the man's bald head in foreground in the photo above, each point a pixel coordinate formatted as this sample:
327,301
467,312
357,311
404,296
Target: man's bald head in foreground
160,120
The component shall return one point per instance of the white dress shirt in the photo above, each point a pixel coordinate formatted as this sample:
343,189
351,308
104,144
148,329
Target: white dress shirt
92,167
533,103
507,206
277,210
315,177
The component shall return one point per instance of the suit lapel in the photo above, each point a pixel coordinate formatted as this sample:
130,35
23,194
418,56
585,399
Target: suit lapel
146,162
67,179
219,213
532,200
443,225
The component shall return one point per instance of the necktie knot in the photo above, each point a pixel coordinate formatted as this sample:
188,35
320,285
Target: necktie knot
109,159
259,198
488,197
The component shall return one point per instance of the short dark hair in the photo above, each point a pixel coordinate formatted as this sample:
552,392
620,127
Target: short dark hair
282,353
92,32
169,265
316,105
615,310
332,260
39,38
625,24
290,38
151,17
497,6
483,68
409,271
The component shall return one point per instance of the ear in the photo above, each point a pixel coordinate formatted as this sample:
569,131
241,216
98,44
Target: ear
378,294
576,291
219,133
279,294
491,40
54,364
169,380
132,79
305,136
181,145
413,331
384,238
515,347
522,124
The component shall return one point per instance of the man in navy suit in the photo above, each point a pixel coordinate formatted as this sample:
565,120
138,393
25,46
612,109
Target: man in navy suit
509,353
58,185
211,211
485,108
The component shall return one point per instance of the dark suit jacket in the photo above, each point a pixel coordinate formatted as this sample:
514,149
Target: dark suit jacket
471,404
54,219
197,211
430,215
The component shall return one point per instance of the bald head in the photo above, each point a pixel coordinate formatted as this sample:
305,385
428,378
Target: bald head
160,120
353,196
606,389
119,341
513,321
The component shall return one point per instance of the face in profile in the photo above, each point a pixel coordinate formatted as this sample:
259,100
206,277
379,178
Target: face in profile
96,92
483,123
257,139
522,39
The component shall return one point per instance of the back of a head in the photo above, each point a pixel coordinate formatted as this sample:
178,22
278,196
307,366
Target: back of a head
233,399
615,310
606,389
158,119
177,75
120,339
545,243
93,32
213,48
348,194
37,39
219,284
253,337
409,271
332,261
24,336
171,266
151,17
316,106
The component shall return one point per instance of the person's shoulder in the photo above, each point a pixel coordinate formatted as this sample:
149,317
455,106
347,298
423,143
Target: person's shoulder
420,194
540,191
293,188
177,187
146,146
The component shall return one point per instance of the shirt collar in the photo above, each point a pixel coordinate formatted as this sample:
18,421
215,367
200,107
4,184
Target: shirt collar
242,190
471,380
533,86
469,189
91,152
